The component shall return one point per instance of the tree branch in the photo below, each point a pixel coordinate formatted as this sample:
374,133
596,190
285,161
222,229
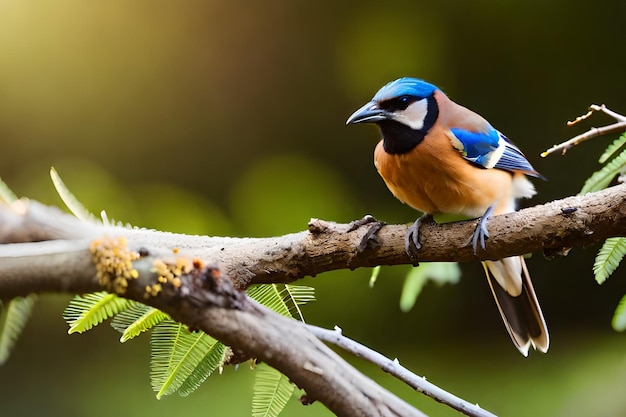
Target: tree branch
43,249
552,228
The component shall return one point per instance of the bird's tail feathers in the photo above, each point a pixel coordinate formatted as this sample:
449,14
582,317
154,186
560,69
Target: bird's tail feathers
517,302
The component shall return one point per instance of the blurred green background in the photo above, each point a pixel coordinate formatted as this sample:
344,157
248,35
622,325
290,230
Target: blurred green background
227,118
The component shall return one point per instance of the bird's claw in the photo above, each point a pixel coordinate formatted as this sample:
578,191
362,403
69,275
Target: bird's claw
481,233
412,243
370,239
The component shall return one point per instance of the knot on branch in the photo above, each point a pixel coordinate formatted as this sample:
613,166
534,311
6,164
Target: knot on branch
206,286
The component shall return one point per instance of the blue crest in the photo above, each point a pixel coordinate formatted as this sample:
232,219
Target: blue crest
406,86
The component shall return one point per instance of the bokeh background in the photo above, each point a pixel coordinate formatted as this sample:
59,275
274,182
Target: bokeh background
227,118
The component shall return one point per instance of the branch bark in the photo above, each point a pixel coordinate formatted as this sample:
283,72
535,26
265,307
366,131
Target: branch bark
552,228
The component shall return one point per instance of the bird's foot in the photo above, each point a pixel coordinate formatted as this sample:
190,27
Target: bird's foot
481,233
370,238
412,243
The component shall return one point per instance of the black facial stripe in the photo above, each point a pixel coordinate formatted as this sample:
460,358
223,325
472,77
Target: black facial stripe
398,103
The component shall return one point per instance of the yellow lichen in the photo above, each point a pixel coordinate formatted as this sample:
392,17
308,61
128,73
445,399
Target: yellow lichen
114,262
169,273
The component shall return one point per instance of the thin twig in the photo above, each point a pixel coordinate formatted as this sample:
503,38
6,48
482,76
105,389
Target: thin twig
619,126
394,368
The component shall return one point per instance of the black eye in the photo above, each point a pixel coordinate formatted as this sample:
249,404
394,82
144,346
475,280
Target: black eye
398,103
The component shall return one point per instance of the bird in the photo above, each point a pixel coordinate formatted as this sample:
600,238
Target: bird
439,157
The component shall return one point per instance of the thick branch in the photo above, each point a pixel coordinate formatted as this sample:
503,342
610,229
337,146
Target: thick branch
551,228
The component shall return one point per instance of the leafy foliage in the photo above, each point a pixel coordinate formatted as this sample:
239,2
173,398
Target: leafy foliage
609,257
612,149
15,315
72,203
136,319
182,360
89,310
272,390
6,195
284,299
613,250
438,272
619,317
602,178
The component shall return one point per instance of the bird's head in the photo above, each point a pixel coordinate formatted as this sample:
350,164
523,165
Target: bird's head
404,110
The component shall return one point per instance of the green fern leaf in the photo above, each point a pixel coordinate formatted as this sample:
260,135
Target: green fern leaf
272,391
612,149
6,194
71,202
89,310
601,179
136,319
214,358
270,296
15,316
439,272
609,257
619,317
295,296
176,354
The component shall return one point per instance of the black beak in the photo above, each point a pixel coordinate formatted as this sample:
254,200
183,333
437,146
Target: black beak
369,113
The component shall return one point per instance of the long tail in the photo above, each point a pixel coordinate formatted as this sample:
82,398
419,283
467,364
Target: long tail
514,294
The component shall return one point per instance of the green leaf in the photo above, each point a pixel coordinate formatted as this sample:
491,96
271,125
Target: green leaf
613,148
89,310
439,272
214,358
374,276
601,179
179,358
619,317
72,203
296,296
609,257
136,319
6,194
15,315
270,296
272,391
283,299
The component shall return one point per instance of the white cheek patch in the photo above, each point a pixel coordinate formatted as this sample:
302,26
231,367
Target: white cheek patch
414,115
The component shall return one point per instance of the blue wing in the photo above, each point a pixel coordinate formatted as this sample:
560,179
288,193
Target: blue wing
478,147
513,159
491,149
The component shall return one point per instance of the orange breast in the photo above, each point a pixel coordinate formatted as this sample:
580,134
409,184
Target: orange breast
434,178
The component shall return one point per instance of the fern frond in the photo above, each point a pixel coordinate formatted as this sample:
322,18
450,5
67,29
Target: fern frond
176,354
136,319
89,310
272,391
15,315
612,149
70,201
599,180
296,296
608,258
269,295
619,317
214,358
439,272
6,194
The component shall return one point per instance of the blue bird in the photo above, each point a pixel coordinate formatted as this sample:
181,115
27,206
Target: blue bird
440,157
